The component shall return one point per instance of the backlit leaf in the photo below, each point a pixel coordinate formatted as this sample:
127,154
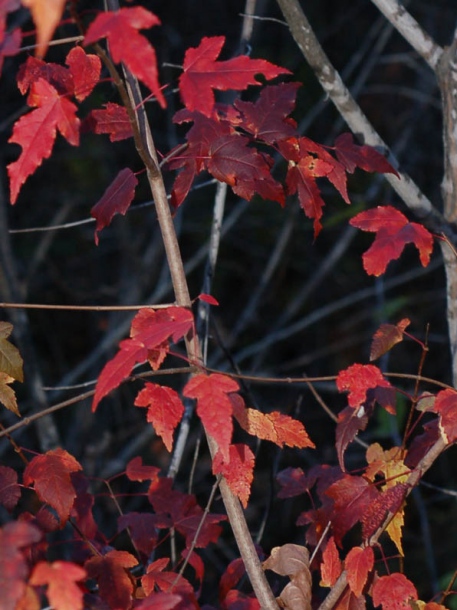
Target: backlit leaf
214,406
203,72
36,131
394,592
353,155
357,379
50,475
165,410
85,70
358,563
60,577
10,359
46,16
331,566
393,232
238,470
127,45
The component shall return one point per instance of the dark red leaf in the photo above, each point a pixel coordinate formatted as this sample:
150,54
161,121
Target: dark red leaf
50,475
293,482
446,406
115,200
367,158
143,529
10,491
111,574
137,471
350,422
56,75
160,601
202,73
267,119
393,232
113,120
230,578
127,45
388,501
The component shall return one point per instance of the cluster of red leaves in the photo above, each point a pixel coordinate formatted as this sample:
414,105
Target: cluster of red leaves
229,142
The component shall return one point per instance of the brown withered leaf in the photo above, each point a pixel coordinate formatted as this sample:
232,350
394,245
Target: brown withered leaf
292,560
386,337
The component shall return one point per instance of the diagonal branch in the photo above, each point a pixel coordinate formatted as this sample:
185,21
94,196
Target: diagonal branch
411,31
332,83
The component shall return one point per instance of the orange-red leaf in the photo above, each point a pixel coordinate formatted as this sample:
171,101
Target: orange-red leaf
394,592
46,16
50,475
386,337
203,73
115,200
127,45
61,577
113,120
446,406
165,410
358,379
238,470
14,566
331,566
275,427
358,563
393,232
36,131
214,406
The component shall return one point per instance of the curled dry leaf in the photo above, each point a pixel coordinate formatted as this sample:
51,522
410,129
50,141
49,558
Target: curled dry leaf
292,560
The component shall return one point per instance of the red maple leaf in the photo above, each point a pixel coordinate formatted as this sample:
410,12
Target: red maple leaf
393,232
115,200
390,500
36,131
230,578
50,475
394,592
149,330
61,577
157,576
214,406
293,482
14,567
351,496
10,491
165,410
56,75
366,157
331,566
111,573
238,470
202,73
85,70
185,514
143,529
358,379
300,179
160,601
267,119
446,406
358,563
127,45
113,120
